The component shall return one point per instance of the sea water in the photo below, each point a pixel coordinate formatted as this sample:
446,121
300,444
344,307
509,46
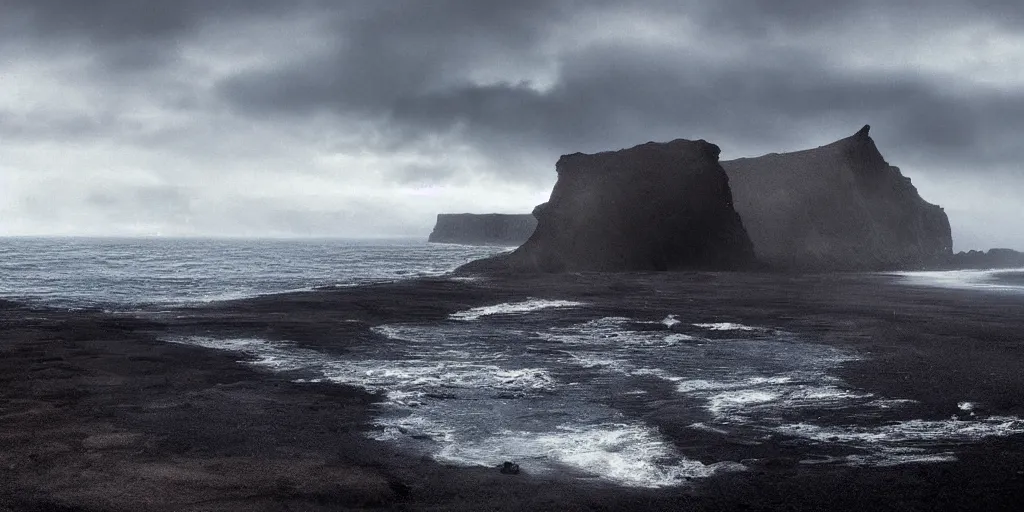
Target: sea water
133,273
552,384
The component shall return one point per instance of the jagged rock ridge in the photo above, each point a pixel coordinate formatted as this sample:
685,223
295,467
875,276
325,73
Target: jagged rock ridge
656,206
993,258
483,229
837,207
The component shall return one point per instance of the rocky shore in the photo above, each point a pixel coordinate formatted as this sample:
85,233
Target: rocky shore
99,413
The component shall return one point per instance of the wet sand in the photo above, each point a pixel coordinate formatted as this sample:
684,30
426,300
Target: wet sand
97,413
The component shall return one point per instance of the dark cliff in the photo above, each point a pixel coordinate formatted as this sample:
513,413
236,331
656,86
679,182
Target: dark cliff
651,207
483,229
837,207
993,258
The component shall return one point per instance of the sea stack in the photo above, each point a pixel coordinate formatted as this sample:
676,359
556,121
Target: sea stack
656,206
483,229
837,207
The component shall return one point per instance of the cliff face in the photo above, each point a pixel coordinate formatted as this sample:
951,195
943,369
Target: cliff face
837,207
483,229
651,207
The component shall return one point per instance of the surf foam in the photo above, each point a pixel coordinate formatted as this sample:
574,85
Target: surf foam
730,326
512,308
962,279
628,454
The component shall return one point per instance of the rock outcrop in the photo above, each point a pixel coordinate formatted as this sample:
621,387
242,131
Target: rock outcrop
483,229
837,207
994,258
651,207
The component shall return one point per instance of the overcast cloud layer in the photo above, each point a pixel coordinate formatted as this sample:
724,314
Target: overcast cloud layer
333,118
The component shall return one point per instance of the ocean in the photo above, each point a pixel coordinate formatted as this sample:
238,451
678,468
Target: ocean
125,274
555,384
137,273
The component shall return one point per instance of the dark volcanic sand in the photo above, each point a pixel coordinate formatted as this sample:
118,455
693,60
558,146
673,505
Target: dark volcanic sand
97,414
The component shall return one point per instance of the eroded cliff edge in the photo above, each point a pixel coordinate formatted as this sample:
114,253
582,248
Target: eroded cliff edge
483,229
837,207
656,206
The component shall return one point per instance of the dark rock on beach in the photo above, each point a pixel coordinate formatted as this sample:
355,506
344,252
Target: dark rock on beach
483,229
837,207
656,206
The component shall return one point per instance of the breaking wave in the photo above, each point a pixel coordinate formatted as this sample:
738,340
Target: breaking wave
585,399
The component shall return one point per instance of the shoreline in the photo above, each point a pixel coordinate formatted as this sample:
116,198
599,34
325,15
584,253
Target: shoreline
89,398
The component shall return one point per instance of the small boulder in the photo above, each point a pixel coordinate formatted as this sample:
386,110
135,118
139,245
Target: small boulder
509,468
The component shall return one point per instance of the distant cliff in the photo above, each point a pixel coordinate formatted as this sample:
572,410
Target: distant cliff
483,229
651,207
837,207
994,258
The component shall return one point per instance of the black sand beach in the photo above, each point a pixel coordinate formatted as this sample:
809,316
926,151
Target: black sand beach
97,413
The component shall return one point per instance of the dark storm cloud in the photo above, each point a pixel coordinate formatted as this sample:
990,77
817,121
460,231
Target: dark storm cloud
611,97
520,82
117,22
123,34
395,65
406,62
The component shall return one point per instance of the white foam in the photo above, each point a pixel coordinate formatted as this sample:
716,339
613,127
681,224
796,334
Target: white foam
886,457
278,356
513,308
467,279
730,400
612,331
961,279
655,372
690,386
397,332
729,326
392,376
883,459
910,431
707,428
966,406
737,401
672,339
418,375
671,320
627,454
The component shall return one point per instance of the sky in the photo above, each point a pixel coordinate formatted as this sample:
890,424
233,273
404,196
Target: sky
359,118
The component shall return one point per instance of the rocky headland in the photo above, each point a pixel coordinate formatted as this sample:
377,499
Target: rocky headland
993,258
483,229
837,207
656,206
